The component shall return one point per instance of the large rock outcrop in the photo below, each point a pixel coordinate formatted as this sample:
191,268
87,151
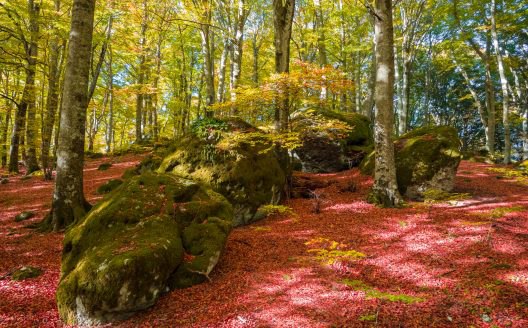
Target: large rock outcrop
426,158
331,141
153,233
236,160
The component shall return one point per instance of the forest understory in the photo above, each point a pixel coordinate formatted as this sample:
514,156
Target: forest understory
460,263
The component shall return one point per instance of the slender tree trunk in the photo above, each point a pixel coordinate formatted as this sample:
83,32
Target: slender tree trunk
238,47
284,10
27,103
5,132
141,75
110,123
208,68
504,86
31,131
385,190
222,72
69,204
52,102
255,45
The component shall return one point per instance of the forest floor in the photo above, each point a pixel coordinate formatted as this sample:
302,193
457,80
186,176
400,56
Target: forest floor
460,263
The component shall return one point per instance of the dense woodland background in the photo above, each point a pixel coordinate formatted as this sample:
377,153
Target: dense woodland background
157,66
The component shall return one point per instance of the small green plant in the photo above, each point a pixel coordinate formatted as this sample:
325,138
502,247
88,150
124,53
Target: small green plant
209,129
369,317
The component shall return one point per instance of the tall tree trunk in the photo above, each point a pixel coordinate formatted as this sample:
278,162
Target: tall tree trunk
27,103
31,130
385,190
141,75
222,72
208,58
255,45
238,46
52,102
69,203
284,10
110,123
5,132
504,86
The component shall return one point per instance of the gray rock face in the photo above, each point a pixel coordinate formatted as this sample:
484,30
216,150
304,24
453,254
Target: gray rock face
331,141
130,247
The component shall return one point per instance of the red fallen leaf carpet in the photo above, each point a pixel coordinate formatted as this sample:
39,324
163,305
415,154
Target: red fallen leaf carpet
460,263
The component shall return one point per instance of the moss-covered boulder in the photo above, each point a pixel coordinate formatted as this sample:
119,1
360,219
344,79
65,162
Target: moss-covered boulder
153,233
331,141
236,160
426,158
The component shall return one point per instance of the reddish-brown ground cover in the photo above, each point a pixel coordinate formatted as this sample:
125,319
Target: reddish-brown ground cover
454,264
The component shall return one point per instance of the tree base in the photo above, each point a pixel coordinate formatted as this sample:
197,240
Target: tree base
385,199
56,221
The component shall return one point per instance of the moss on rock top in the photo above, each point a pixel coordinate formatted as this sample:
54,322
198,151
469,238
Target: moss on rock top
331,141
235,159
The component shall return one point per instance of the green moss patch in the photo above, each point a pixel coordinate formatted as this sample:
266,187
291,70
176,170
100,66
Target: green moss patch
371,292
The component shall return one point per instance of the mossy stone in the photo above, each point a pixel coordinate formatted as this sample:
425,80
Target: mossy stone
331,141
26,272
426,158
109,186
24,216
104,167
123,255
240,163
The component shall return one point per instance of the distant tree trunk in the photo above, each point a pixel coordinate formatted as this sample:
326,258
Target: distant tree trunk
69,204
141,75
504,86
52,102
222,72
208,68
238,47
385,190
5,132
31,130
255,46
110,123
284,10
27,103
369,102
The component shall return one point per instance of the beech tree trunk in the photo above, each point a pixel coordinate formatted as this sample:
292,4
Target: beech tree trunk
69,203
284,11
385,190
109,138
52,102
208,69
504,86
222,72
27,103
